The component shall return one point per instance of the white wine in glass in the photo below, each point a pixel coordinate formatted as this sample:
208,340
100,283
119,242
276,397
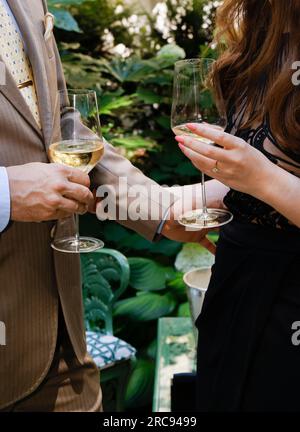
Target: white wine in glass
192,103
184,130
81,154
79,145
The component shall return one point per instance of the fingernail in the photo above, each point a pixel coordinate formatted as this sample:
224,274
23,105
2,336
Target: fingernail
180,139
182,148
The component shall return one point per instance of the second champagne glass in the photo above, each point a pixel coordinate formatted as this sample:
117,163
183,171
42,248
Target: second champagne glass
193,103
78,144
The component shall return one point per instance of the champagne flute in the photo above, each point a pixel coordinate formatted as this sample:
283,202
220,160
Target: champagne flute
77,143
193,103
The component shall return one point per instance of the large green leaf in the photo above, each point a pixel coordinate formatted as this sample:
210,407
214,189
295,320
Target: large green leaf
136,69
64,20
193,256
146,274
110,103
140,387
146,307
133,69
177,286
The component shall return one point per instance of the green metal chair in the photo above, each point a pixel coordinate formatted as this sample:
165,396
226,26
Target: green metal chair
105,275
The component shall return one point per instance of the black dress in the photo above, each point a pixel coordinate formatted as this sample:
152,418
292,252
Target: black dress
248,358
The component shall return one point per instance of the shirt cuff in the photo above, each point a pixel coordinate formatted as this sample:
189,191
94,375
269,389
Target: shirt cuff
4,199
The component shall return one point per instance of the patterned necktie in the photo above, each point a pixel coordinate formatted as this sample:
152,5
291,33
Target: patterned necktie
13,54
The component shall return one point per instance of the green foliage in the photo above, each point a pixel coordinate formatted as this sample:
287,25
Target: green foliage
146,306
63,18
140,387
184,310
146,275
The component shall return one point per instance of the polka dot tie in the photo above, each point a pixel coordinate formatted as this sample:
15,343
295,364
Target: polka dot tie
13,54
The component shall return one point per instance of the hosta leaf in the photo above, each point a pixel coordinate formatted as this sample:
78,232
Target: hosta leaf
193,256
140,386
146,307
133,69
177,286
146,274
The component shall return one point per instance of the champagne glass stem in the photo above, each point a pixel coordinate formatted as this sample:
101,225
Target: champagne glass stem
77,237
203,190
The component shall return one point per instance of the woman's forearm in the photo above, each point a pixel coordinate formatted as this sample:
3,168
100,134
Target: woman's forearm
281,190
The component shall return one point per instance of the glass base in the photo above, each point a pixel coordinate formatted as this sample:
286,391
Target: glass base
197,220
81,245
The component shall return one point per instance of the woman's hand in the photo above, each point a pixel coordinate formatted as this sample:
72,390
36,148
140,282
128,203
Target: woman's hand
237,164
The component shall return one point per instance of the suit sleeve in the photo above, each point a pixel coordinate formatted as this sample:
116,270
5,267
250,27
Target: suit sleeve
127,184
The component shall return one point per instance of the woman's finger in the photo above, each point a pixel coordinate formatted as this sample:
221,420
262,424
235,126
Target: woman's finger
207,150
205,165
200,161
224,139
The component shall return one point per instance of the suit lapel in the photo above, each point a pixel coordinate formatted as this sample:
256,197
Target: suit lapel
13,94
36,52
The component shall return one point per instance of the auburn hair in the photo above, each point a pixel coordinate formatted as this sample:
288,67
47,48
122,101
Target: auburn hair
259,42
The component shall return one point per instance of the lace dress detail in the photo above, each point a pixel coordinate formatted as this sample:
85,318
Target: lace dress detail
246,208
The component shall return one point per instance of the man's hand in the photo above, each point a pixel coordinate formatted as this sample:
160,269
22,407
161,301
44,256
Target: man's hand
42,191
188,199
174,231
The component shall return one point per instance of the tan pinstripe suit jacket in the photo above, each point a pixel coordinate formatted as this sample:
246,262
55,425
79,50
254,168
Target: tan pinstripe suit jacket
33,279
